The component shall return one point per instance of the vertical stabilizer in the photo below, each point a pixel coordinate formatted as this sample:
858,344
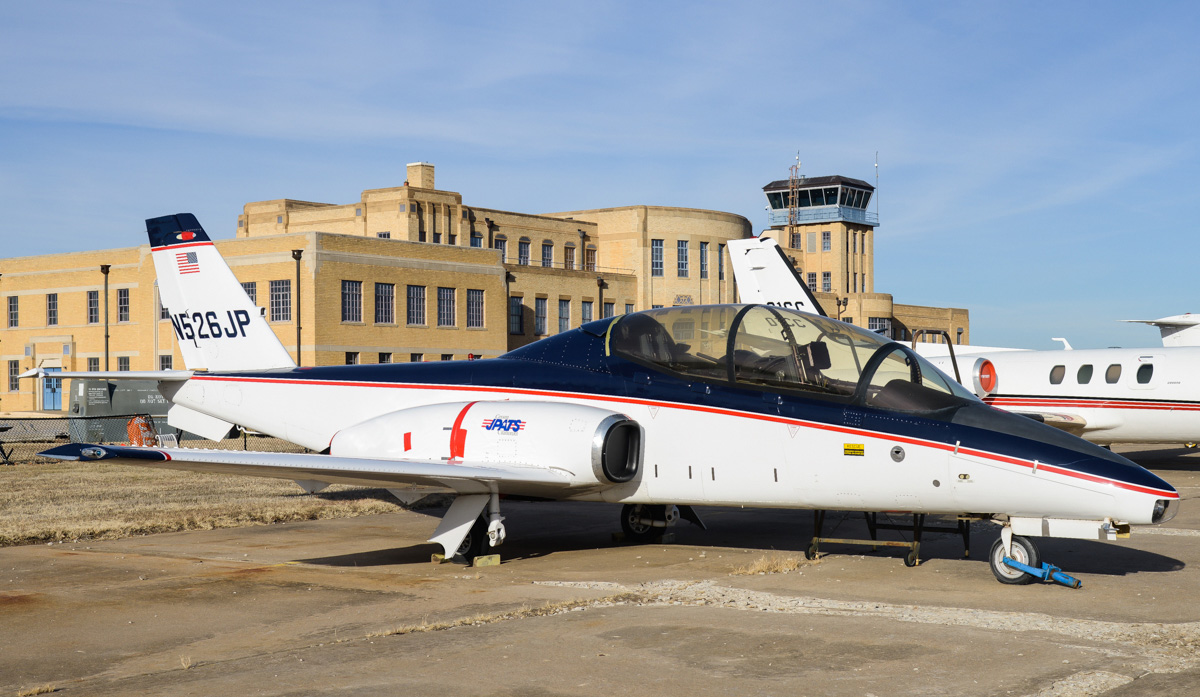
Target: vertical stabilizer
764,275
217,326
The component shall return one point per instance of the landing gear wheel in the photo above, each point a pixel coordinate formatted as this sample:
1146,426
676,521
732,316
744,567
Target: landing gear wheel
911,560
1024,551
812,552
633,516
475,544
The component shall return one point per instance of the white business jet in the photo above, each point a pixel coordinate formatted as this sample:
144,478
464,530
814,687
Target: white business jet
746,405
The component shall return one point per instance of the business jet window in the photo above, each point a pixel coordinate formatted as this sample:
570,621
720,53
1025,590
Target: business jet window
1144,373
1057,373
1084,376
1113,374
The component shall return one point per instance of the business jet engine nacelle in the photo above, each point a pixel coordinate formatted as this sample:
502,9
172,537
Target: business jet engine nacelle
587,445
978,374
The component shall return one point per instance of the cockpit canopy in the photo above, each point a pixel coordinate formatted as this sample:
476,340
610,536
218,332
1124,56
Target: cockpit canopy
783,350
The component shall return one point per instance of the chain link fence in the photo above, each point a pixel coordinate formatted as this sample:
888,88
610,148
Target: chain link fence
22,439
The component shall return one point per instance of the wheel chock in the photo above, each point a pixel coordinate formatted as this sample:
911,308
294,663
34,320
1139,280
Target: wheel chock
1048,572
486,560
437,558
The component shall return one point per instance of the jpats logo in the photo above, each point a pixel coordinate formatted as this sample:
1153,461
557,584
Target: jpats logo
503,424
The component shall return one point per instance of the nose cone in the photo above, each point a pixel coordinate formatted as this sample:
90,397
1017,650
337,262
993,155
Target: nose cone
1031,440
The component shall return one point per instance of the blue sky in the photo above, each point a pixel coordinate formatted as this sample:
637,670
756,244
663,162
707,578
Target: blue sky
1037,161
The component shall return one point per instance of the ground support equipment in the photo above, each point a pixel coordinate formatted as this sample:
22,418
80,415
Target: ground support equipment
1047,572
918,527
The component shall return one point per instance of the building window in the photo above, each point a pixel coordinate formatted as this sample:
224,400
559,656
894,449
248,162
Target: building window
864,283
502,245
681,258
14,382
795,240
720,262
251,289
848,320
539,316
123,363
1113,374
474,308
589,260
385,303
629,308
609,310
384,234
826,282
523,252
51,309
352,358
12,311
385,357
447,356
122,304
856,283
568,258
416,357
564,315
351,301
811,241
585,312
656,257
165,363
163,312
437,238
93,364
812,281
281,301
880,325
703,260
826,241
854,243
516,318
477,239
547,255
446,307
416,305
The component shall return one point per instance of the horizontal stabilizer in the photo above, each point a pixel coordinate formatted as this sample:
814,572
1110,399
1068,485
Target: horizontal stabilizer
192,421
313,467
1176,330
161,375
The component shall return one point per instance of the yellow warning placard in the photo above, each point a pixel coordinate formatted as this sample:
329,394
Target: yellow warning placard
855,449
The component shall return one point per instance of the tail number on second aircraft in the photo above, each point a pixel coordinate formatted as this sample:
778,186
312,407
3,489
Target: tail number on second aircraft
209,325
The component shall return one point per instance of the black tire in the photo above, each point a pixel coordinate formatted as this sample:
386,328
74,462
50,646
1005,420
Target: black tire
1024,551
475,544
812,552
633,527
911,559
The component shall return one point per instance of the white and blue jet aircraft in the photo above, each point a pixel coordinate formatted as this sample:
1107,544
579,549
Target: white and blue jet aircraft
661,410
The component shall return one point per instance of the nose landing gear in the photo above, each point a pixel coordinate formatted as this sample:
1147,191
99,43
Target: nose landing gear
1022,562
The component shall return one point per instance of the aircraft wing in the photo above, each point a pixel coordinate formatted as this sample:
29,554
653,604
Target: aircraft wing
1070,423
465,478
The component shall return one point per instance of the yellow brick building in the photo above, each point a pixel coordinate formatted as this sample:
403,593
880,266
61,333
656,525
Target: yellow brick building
411,273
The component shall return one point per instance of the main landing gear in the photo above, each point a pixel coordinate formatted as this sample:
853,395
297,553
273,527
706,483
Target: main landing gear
644,523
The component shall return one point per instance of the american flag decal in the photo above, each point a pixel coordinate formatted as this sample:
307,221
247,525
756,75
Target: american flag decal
187,263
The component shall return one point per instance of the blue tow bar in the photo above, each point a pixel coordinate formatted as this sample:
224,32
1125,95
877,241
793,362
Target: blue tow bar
1048,572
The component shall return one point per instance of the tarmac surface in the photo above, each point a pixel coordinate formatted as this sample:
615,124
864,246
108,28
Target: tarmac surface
355,606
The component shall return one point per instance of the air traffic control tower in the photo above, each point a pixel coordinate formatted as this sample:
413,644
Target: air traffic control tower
824,226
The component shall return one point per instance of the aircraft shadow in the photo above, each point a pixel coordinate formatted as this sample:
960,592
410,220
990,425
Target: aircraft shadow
542,529
1175,459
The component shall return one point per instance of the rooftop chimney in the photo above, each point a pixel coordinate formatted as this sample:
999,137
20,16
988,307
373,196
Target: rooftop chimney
420,175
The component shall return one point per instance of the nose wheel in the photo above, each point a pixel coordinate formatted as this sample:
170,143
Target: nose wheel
1023,551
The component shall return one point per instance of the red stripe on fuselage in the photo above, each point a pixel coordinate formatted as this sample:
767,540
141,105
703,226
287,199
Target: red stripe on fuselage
458,434
709,410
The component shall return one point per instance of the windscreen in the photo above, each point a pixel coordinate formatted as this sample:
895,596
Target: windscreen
779,349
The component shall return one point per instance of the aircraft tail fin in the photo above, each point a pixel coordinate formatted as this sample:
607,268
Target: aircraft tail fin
764,275
217,326
1177,330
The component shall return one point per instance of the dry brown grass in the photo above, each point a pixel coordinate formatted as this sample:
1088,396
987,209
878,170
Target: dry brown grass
40,690
773,564
65,501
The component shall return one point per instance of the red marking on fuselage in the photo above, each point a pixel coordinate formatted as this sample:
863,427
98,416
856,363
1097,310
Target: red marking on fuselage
407,441
458,434
947,447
